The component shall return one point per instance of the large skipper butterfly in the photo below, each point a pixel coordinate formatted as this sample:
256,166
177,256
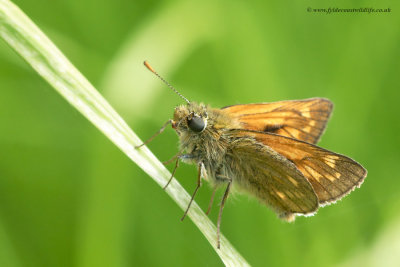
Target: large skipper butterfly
267,150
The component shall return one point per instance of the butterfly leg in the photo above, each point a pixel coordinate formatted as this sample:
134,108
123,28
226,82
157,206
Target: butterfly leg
157,133
178,157
211,200
195,192
228,187
172,159
173,173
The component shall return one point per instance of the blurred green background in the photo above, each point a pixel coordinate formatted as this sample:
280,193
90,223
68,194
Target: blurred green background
69,197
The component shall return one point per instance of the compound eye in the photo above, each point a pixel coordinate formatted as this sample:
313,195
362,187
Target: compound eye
196,124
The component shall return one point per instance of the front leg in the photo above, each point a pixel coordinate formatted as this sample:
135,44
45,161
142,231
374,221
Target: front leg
157,133
185,158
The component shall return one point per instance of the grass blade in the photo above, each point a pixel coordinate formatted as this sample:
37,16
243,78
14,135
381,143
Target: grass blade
33,45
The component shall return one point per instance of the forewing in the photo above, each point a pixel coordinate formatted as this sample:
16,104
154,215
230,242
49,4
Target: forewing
299,119
331,175
272,178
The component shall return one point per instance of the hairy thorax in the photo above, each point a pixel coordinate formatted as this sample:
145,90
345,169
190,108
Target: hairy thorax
208,147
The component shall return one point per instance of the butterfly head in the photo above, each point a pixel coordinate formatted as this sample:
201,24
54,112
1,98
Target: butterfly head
191,118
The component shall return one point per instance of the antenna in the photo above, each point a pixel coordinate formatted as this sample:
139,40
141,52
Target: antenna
162,79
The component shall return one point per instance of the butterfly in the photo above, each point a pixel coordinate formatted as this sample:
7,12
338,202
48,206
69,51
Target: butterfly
267,150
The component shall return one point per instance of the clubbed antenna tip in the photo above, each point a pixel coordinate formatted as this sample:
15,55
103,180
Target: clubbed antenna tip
148,66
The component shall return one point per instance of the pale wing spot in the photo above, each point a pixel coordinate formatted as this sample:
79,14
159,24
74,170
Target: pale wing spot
337,175
280,194
306,113
293,181
334,157
331,178
307,129
312,123
330,164
313,173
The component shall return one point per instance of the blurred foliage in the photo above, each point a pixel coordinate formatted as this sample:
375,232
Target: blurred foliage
68,197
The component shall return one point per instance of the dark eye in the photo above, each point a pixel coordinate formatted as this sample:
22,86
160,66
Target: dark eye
196,124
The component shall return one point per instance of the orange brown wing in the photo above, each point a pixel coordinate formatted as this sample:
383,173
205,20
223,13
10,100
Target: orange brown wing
304,120
331,175
273,179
